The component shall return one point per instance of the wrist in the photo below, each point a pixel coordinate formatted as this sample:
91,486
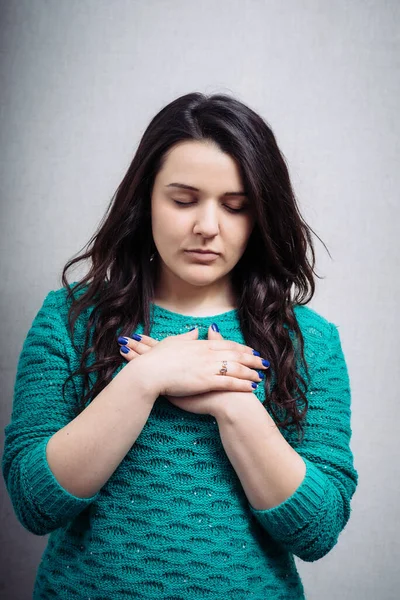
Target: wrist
141,377
234,405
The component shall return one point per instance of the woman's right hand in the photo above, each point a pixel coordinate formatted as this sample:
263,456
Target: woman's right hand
182,365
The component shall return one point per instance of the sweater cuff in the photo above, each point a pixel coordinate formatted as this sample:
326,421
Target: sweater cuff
302,507
47,494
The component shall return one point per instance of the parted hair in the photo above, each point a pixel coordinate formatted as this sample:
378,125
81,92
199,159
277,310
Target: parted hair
275,272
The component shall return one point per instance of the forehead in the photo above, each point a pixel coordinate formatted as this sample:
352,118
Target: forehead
199,163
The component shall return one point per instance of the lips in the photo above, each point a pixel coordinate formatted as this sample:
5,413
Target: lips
202,256
203,252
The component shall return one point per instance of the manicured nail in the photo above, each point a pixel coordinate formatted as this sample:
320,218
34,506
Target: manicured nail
256,353
215,327
265,362
136,337
124,349
261,374
122,340
254,385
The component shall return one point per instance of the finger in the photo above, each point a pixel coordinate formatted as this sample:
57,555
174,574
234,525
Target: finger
127,353
222,344
242,358
233,384
234,369
139,343
192,334
214,333
146,339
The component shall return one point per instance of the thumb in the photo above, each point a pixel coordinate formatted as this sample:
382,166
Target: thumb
192,334
213,332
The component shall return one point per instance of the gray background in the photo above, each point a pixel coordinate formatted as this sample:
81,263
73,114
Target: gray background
80,81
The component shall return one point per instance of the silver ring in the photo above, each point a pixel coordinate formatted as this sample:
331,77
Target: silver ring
224,369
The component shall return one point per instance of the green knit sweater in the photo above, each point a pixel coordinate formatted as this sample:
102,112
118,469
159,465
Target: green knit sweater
173,521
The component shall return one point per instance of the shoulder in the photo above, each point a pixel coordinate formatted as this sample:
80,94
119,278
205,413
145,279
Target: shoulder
310,320
57,303
318,332
55,311
60,298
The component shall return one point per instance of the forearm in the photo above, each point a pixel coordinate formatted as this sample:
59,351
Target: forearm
84,454
269,469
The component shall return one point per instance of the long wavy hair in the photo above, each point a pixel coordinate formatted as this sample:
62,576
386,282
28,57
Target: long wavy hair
274,273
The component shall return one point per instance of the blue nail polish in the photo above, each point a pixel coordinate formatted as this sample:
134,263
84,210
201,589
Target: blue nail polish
261,374
124,349
136,337
215,327
253,384
265,363
256,353
122,340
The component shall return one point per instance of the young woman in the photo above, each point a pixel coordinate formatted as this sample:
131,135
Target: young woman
181,418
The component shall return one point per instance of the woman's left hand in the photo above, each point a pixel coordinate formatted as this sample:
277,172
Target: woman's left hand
210,403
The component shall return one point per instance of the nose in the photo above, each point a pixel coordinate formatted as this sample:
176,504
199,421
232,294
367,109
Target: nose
206,220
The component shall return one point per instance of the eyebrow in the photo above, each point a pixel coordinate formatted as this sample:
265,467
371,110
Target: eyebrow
183,186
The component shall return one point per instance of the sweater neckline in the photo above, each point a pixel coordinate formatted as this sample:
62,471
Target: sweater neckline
159,311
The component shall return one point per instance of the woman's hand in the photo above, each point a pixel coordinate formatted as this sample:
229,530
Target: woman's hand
182,365
202,403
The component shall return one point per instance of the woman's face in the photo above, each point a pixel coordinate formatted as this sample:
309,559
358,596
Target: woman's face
214,214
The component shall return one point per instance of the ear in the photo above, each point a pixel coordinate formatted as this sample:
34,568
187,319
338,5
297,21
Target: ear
214,335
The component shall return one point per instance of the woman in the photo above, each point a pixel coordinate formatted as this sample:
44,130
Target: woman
221,450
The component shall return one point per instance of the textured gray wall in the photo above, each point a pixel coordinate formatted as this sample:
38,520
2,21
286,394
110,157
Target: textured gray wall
79,82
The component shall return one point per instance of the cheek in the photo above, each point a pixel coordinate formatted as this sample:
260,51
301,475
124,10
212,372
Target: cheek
239,234
169,227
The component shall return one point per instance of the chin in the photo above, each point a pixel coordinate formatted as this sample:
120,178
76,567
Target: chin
199,278
199,281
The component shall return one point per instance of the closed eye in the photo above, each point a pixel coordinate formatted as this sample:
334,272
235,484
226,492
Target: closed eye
229,208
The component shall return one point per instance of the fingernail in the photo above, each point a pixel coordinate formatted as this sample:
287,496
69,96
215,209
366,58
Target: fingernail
256,353
265,362
261,374
122,340
254,385
215,327
191,329
136,337
124,349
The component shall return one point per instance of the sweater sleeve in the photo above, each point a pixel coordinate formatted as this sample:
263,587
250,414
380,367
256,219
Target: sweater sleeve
309,522
39,410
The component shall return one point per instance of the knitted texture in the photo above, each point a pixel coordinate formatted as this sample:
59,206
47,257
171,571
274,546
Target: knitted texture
173,521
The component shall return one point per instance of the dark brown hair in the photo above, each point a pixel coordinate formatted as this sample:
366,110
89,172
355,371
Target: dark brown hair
273,274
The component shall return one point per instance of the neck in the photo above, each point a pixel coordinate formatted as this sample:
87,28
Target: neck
179,296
